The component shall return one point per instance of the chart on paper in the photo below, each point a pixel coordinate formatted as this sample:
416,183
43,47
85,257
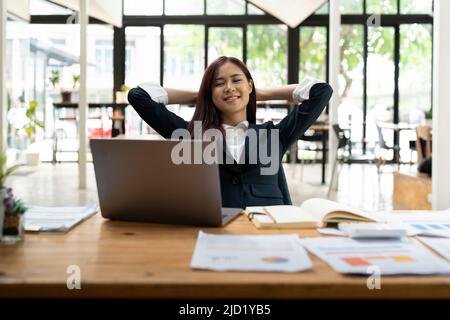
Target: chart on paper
347,255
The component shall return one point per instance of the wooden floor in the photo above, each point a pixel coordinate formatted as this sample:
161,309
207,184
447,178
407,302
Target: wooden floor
359,185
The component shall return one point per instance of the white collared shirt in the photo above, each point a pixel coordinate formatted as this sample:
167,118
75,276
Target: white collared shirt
235,138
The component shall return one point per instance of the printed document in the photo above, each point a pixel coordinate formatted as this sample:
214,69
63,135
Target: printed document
388,257
440,245
281,253
56,219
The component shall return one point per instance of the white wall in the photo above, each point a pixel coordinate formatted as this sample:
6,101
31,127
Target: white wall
441,106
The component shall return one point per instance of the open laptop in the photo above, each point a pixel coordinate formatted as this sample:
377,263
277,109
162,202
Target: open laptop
138,181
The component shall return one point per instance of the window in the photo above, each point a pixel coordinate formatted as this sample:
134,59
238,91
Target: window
224,41
184,56
351,77
381,7
225,7
313,52
380,79
185,7
267,57
143,8
142,55
416,6
251,9
415,71
323,9
351,6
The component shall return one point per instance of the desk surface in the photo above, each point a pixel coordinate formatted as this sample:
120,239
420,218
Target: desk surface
138,260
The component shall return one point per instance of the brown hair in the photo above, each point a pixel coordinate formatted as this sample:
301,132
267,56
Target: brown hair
205,110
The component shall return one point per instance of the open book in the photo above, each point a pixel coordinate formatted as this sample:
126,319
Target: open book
312,213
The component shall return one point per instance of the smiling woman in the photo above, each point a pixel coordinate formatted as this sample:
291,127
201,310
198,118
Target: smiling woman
226,96
226,101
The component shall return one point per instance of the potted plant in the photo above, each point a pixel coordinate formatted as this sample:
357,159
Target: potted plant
75,80
5,193
66,95
122,95
55,77
13,221
30,130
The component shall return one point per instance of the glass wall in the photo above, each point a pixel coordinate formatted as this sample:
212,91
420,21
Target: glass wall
380,81
415,71
225,41
142,55
55,48
313,52
19,91
231,7
185,7
184,55
351,78
267,54
144,8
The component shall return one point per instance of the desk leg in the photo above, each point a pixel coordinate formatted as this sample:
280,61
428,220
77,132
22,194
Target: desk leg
55,137
324,155
397,147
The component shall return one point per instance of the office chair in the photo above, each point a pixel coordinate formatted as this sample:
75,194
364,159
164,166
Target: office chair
316,136
383,145
423,143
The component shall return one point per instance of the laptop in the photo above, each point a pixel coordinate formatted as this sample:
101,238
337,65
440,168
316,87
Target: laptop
138,181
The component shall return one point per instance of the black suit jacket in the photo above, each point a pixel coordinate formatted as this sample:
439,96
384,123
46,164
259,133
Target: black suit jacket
243,184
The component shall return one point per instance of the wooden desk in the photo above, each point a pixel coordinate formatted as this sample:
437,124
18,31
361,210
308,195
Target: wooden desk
137,260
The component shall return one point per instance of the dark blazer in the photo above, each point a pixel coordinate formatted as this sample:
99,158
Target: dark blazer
242,184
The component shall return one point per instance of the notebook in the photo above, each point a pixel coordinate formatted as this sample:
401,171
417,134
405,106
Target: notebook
313,213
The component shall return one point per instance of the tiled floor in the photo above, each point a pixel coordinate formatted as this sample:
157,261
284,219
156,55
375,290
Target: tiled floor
359,185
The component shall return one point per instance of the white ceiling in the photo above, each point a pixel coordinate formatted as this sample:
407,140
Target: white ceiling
109,11
291,12
19,8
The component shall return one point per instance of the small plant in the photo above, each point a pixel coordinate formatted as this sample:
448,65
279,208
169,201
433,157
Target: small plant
55,77
124,88
13,206
75,80
5,172
33,121
429,114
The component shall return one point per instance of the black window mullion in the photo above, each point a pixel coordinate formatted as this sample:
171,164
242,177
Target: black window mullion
119,58
396,89
365,53
206,41
244,43
161,56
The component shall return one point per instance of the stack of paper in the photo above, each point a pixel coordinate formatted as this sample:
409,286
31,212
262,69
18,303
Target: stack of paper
56,219
440,245
389,256
250,253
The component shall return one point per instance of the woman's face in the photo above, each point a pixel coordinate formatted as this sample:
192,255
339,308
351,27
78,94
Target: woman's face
231,90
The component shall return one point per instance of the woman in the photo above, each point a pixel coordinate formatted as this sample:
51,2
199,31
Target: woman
226,101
